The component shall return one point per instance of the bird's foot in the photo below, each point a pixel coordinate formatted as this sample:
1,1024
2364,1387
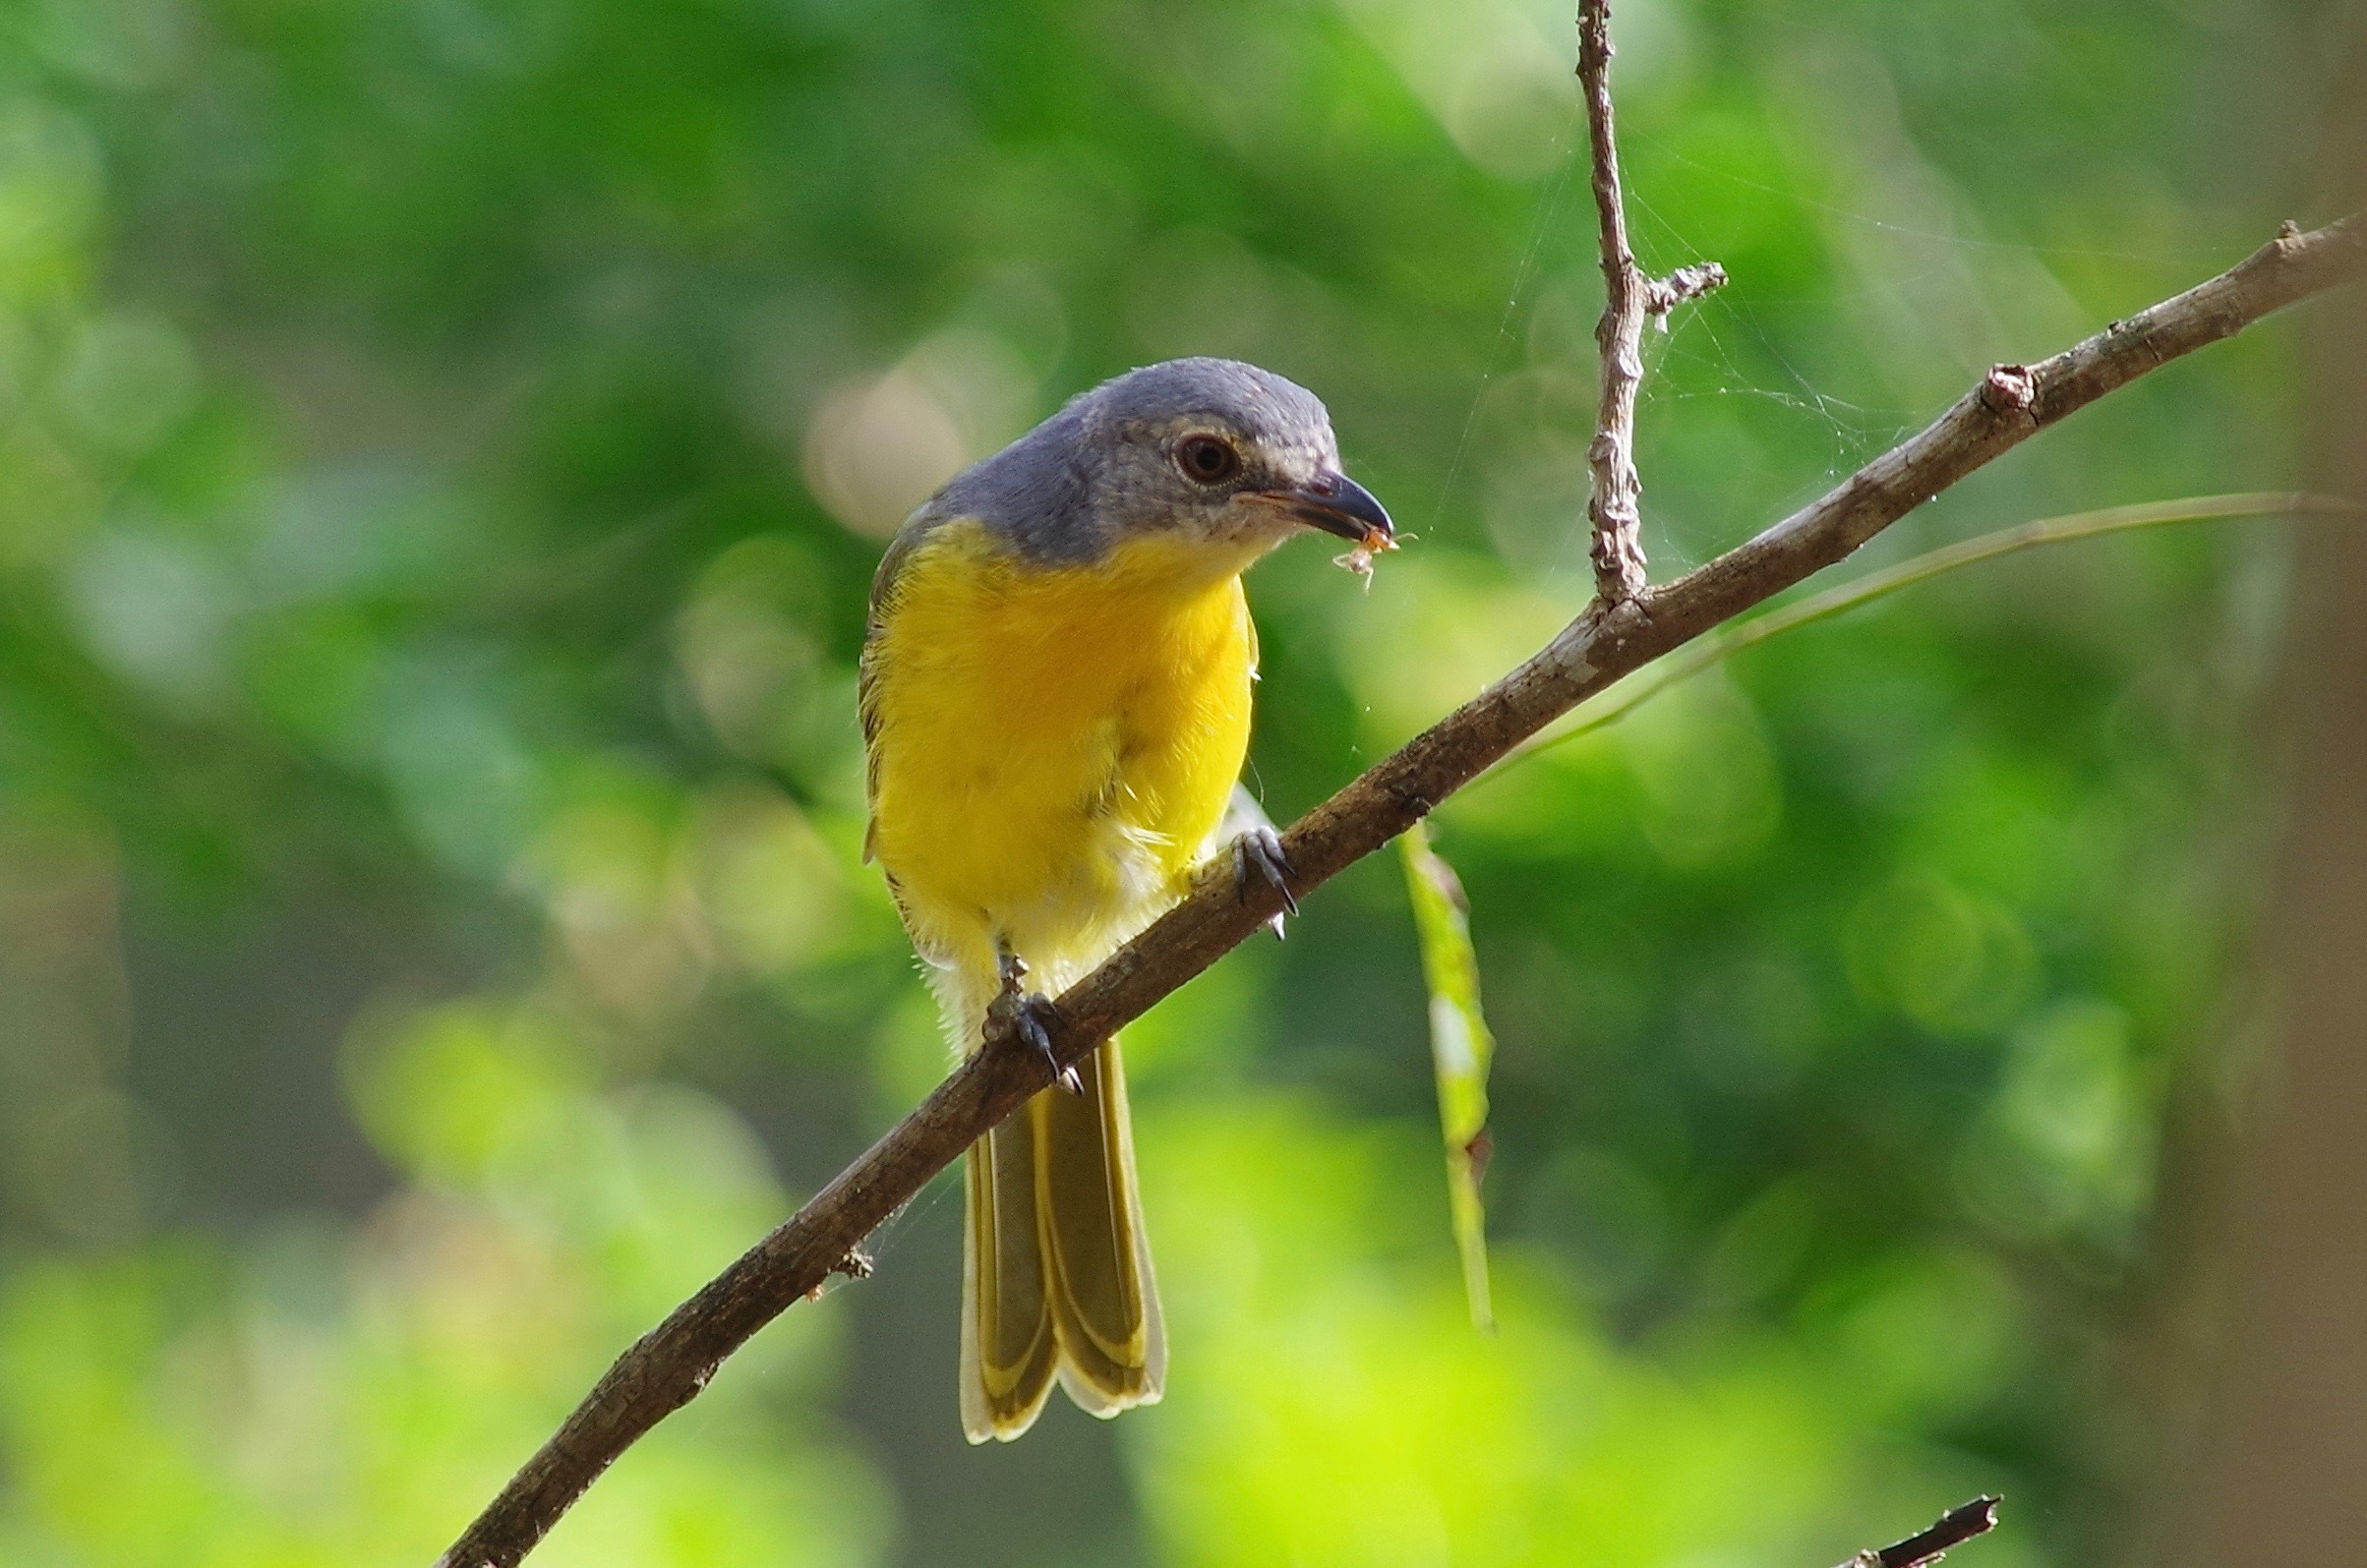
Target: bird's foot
1260,856
1028,1016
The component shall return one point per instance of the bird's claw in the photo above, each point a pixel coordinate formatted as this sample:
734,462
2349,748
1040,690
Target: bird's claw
1035,1010
1029,1015
1261,854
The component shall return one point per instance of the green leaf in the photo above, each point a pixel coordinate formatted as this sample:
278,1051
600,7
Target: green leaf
1460,1047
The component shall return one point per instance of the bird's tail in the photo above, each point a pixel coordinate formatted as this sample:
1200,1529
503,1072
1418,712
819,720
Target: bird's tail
1056,1275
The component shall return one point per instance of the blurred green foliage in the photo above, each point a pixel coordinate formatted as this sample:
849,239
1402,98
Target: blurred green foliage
443,448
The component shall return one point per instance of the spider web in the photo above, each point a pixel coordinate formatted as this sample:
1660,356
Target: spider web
1742,344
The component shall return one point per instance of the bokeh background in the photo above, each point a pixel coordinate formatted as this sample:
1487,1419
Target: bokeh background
443,445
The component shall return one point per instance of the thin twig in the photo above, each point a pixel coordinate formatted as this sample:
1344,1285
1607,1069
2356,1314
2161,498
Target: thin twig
1736,635
1628,296
1953,1528
669,1365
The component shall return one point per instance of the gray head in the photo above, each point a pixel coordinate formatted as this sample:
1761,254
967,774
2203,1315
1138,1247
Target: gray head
1201,449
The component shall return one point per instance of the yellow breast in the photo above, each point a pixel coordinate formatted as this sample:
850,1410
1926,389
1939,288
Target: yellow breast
1052,746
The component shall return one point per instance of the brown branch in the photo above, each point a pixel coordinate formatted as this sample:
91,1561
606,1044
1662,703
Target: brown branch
669,1365
1953,1528
1628,296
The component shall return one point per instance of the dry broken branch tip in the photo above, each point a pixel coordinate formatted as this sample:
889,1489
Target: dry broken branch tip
1952,1529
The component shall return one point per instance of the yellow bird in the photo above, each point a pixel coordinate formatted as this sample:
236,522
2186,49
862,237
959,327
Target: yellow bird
1055,704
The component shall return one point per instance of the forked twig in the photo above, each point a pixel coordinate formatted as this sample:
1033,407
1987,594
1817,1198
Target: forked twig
1630,295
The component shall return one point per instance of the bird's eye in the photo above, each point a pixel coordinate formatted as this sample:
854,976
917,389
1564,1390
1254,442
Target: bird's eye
1207,459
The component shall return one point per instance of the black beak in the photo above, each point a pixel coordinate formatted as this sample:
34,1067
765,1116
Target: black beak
1337,504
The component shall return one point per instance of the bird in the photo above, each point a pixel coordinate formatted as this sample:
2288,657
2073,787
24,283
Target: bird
1055,692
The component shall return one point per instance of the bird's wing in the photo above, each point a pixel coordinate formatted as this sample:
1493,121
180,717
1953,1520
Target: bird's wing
899,555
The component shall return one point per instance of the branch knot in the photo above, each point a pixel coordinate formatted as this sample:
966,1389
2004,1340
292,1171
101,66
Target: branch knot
855,1264
2009,389
1665,294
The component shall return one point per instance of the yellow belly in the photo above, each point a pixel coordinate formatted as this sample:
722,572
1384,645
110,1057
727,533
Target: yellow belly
1052,746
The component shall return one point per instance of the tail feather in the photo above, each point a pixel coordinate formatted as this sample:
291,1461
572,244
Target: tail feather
1008,1349
1113,1351
1057,1274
